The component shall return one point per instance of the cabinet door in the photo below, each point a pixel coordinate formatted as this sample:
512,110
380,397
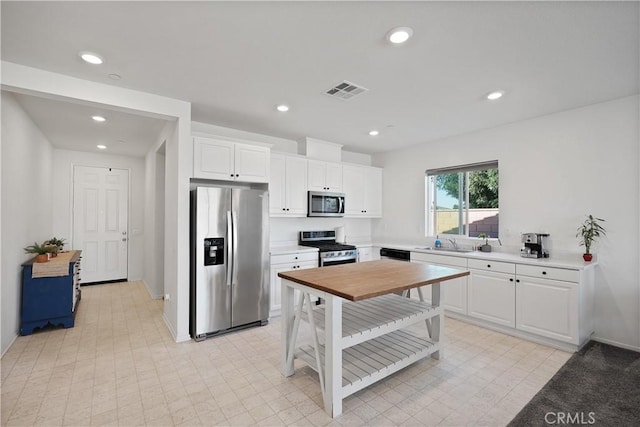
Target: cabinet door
364,254
454,292
333,177
373,192
276,288
296,186
275,305
251,163
317,175
277,185
492,297
353,185
213,159
548,308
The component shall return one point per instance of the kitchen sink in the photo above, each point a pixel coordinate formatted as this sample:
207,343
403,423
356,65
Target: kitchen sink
459,250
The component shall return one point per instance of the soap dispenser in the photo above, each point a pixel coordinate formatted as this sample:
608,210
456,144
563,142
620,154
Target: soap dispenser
438,243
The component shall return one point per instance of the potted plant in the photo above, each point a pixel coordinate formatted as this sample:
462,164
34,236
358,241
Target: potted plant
42,251
57,245
486,247
588,232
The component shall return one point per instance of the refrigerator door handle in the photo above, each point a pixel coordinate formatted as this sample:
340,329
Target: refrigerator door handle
234,217
229,246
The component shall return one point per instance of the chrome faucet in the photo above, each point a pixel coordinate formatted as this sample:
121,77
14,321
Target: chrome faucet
453,243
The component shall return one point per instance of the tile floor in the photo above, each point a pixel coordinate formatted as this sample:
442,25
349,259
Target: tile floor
119,366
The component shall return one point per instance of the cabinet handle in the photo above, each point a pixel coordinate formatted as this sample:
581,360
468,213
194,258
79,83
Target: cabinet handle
283,209
295,258
231,175
511,279
287,209
544,273
488,265
517,280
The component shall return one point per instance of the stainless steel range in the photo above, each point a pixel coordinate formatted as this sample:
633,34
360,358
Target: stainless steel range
331,253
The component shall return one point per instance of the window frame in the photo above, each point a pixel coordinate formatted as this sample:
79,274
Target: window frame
463,215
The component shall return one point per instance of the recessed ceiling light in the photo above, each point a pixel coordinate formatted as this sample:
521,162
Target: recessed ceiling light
399,35
374,133
497,94
115,76
101,147
91,58
282,108
99,119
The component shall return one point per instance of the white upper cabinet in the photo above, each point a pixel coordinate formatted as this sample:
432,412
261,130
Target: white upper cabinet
288,186
230,161
324,176
362,186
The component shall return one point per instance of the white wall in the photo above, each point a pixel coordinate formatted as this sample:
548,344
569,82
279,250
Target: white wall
285,231
26,204
154,222
179,168
554,170
64,160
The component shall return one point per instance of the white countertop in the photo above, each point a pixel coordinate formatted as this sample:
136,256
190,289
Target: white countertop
290,249
573,262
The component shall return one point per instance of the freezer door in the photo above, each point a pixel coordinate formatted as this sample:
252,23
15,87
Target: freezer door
211,290
250,288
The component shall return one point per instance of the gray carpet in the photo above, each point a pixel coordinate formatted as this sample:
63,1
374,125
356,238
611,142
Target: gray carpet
599,386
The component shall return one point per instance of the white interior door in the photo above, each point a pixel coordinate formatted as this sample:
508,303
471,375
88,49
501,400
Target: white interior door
100,229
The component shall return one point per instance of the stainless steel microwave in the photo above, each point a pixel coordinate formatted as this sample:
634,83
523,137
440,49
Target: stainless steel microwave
321,203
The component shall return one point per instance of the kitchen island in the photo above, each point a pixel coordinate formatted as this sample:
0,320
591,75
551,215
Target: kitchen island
362,322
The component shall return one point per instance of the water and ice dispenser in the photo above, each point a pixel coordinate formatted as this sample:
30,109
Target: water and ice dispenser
214,251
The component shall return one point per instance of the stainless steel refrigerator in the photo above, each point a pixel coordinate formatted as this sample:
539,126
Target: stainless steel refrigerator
229,259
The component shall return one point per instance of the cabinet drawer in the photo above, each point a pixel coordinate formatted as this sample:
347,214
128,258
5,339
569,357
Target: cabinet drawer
294,257
548,273
439,259
497,266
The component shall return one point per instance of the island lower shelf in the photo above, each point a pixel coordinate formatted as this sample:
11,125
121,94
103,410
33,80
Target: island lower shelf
370,361
368,319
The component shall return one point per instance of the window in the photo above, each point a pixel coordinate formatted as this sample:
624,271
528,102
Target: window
462,200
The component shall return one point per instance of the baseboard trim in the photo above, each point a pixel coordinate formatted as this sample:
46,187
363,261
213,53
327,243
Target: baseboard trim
146,285
15,337
516,333
616,344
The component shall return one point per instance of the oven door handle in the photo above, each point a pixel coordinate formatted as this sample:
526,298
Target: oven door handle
342,258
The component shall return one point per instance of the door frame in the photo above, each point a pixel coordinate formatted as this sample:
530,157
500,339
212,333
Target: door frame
71,203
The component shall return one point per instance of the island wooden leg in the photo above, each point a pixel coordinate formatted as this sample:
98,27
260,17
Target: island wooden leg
333,356
287,328
437,323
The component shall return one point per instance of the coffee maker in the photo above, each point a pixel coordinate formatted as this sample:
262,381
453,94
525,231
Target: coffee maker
534,245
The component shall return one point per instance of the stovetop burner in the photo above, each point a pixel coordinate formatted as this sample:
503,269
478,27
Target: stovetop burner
325,241
328,246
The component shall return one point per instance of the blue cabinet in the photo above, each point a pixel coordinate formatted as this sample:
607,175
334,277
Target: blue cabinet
50,300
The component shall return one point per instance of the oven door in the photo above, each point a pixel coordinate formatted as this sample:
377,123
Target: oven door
325,204
326,262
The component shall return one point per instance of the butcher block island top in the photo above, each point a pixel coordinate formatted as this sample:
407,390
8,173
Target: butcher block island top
370,279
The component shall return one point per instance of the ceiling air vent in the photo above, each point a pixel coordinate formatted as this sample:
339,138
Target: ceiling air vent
345,90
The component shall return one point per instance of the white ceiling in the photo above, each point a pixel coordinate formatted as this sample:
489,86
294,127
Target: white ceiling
236,60
69,126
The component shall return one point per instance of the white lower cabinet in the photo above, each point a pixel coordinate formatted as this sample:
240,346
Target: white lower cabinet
287,262
547,304
548,307
454,291
492,297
